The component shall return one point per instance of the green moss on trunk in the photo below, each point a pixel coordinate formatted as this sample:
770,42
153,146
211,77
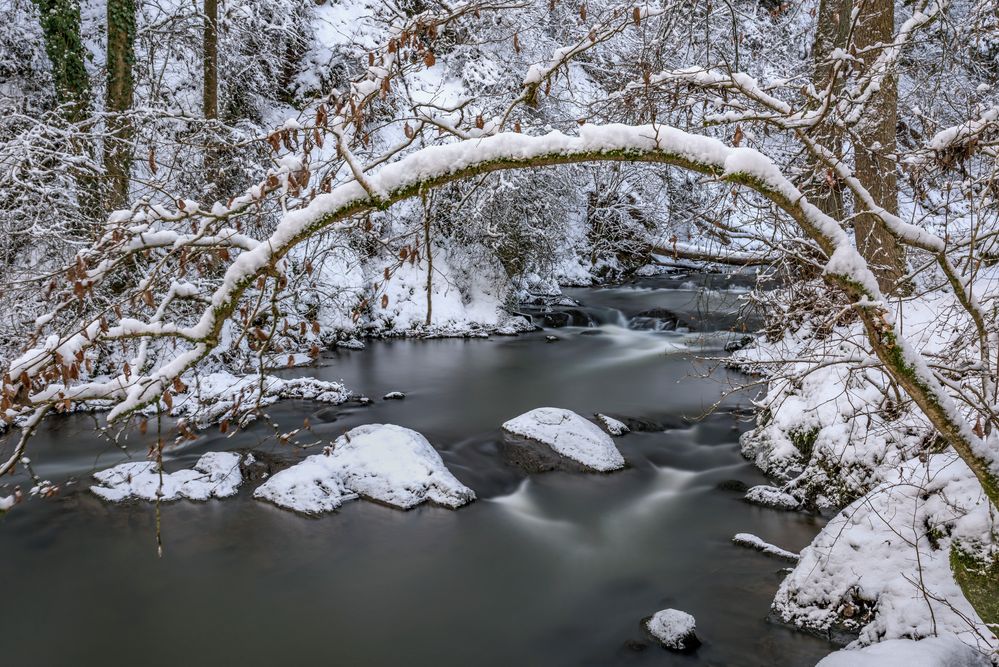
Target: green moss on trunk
979,580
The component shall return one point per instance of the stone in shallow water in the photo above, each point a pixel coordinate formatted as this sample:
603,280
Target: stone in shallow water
215,475
771,496
570,435
394,396
751,541
656,319
382,462
674,629
736,485
613,426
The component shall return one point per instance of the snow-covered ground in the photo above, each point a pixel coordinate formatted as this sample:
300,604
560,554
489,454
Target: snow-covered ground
942,651
833,431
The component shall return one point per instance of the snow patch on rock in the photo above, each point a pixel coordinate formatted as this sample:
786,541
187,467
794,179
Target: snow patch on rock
570,435
771,496
215,475
753,542
219,395
674,629
613,426
382,462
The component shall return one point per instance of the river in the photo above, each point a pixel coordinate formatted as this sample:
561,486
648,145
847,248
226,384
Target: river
557,568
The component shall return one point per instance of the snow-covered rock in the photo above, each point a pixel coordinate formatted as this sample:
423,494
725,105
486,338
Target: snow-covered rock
382,462
943,651
771,496
215,475
674,629
394,396
6,502
218,395
613,426
753,542
570,435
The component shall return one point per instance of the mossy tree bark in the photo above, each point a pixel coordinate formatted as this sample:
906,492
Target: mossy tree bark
60,23
118,102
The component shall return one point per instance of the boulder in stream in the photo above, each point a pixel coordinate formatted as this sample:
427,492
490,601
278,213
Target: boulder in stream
613,426
385,463
674,629
772,497
570,435
215,475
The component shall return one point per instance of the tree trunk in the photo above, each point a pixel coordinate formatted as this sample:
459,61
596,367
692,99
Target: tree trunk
831,33
210,97
210,90
60,23
118,102
875,149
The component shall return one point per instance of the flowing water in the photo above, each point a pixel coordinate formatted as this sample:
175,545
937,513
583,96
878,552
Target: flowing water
557,568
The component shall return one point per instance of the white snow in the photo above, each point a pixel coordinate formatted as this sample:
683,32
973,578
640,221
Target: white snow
755,542
672,627
221,394
771,496
6,502
570,435
943,651
613,426
877,554
215,475
382,462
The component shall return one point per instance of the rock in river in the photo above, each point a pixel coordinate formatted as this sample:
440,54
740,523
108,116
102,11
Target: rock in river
570,435
674,629
382,462
215,475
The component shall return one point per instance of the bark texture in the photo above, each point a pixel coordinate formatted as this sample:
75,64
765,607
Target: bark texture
874,150
831,33
210,63
118,102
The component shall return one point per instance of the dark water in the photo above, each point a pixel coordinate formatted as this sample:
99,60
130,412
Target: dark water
550,569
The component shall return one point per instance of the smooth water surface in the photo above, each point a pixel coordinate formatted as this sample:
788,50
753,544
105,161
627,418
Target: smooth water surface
557,568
